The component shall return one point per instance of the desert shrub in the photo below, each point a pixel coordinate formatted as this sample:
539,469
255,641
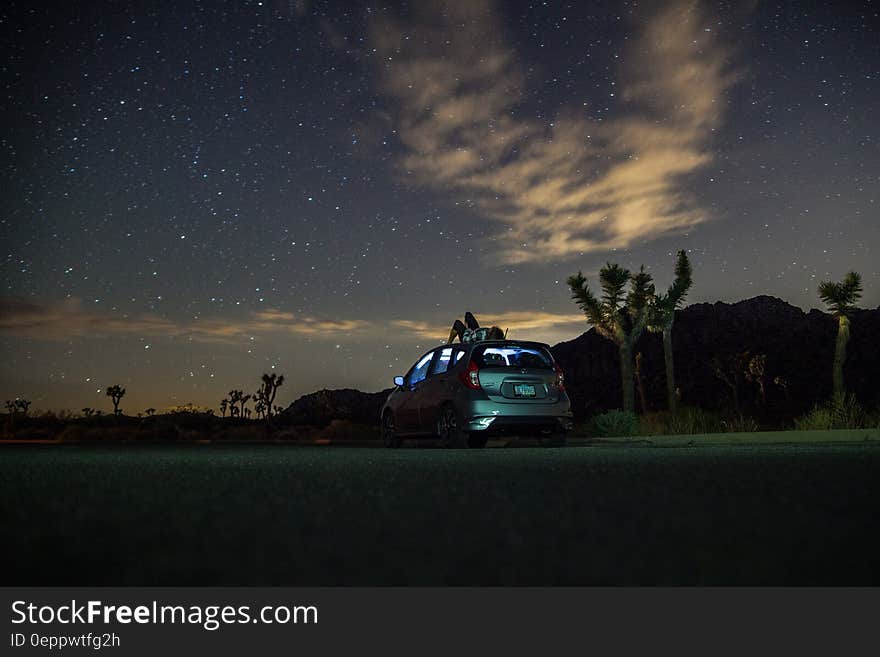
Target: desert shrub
286,434
691,420
95,434
242,433
161,429
820,418
739,423
848,412
616,423
654,424
107,420
62,415
348,430
71,433
33,433
841,412
189,436
190,420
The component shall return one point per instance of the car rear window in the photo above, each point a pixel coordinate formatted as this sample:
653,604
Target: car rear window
513,355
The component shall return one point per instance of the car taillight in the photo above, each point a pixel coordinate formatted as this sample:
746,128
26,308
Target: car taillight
471,376
560,378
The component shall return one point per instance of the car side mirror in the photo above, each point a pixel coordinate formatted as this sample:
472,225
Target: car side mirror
398,381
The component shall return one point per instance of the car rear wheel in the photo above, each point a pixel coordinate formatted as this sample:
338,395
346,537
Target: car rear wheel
449,428
390,437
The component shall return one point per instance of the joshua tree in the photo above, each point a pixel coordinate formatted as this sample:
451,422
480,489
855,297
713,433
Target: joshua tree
731,371
640,385
116,393
88,412
757,373
238,397
782,382
841,300
266,393
662,317
620,318
22,405
259,401
234,400
10,406
224,404
150,412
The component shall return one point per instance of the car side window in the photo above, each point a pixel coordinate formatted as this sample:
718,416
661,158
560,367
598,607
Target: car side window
443,361
420,369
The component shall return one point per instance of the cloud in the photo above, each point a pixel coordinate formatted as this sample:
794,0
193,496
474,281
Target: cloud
525,324
575,184
71,319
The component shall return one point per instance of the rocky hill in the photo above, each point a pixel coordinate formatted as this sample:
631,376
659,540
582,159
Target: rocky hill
320,408
714,344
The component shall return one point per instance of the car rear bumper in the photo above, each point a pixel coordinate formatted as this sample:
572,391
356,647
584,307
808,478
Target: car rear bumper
520,425
527,418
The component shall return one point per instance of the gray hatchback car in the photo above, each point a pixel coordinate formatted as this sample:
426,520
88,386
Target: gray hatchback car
465,393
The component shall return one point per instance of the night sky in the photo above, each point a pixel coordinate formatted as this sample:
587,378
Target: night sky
197,193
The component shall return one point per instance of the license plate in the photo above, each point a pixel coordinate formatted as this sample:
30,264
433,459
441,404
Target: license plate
523,390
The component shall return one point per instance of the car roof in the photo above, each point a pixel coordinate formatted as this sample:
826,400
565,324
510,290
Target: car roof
484,343
530,343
